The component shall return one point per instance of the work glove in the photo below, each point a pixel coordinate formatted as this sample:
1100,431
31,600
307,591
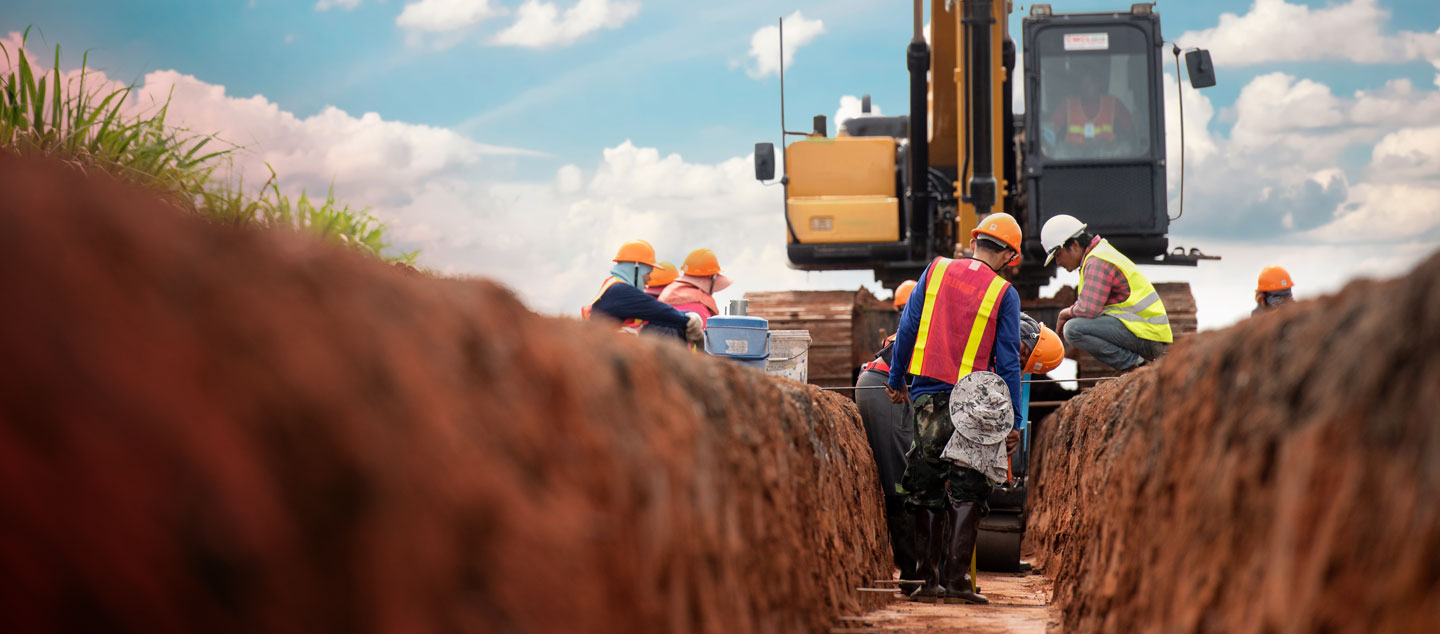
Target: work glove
694,329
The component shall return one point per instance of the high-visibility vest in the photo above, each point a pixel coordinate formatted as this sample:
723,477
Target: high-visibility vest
1082,129
957,323
631,326
1142,312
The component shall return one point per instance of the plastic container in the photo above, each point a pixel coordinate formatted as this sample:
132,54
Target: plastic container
789,354
745,340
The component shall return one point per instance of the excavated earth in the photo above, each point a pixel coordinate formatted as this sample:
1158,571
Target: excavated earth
210,430
1278,476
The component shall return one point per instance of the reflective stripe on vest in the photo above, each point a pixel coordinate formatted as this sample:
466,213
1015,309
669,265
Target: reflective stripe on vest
1142,312
957,324
632,326
1080,128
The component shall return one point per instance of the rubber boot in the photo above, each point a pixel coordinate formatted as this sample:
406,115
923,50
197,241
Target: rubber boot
929,543
960,547
902,541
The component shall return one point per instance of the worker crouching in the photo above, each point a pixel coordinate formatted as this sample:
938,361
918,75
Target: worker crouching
1118,317
694,290
964,318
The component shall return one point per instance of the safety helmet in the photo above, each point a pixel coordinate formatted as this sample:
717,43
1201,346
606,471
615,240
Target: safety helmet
663,275
1056,232
1000,226
1047,353
702,263
636,251
902,293
1274,278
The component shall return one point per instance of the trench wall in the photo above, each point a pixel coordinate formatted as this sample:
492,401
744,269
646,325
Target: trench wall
209,430
1282,475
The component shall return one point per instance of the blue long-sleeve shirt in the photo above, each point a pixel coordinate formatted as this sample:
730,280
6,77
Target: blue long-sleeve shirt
623,301
1006,349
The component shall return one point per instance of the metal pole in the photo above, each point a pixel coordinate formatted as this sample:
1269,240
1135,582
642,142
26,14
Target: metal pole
1086,380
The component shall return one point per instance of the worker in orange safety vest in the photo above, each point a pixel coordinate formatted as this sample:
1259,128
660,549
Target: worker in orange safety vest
963,318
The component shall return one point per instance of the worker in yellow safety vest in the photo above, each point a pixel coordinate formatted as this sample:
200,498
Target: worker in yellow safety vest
961,324
1117,316
621,299
1273,289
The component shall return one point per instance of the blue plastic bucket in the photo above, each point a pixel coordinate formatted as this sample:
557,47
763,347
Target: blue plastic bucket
745,340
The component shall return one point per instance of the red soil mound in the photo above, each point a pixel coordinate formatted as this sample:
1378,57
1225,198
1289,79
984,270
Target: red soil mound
1278,476
207,430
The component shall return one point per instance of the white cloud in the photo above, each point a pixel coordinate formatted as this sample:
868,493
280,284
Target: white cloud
850,108
540,24
326,5
765,43
444,15
1278,31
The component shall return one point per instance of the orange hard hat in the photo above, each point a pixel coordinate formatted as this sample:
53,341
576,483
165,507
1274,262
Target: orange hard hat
902,292
636,251
1048,353
1274,278
701,262
1000,226
663,275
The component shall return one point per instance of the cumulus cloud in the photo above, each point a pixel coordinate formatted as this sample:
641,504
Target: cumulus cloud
765,43
540,24
1287,164
326,5
1279,31
444,15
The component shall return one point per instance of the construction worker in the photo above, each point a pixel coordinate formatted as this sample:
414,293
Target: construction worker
963,319
661,277
1118,317
620,298
1041,351
699,280
1090,122
1273,289
890,438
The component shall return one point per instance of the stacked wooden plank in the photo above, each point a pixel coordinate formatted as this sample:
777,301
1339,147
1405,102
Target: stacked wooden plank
846,327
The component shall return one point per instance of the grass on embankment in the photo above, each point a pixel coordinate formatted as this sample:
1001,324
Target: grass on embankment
89,128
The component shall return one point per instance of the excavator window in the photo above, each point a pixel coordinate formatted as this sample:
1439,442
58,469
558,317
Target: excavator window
1094,93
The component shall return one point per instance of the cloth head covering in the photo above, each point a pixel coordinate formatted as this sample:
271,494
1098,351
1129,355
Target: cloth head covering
632,273
1029,335
1276,298
705,283
981,411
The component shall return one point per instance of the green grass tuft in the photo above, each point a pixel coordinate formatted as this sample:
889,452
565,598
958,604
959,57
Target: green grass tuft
41,117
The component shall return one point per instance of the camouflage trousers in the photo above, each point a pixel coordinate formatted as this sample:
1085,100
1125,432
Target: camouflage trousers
929,480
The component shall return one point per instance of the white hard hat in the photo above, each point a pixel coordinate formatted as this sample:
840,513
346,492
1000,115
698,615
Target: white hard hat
1056,232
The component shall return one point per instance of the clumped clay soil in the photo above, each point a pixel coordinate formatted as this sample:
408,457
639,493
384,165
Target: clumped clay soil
208,430
1281,475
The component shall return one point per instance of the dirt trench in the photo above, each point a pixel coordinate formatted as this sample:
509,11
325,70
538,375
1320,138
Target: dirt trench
211,430
1281,475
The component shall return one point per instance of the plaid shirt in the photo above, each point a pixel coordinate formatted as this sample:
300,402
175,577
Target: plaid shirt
1104,285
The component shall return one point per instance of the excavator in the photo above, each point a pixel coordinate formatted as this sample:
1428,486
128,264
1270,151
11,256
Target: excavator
890,194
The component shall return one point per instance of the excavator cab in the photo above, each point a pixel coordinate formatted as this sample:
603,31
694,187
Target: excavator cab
1094,145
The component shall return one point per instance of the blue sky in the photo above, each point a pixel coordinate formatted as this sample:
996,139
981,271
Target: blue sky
639,122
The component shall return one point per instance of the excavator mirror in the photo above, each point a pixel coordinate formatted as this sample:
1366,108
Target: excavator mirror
1202,72
764,161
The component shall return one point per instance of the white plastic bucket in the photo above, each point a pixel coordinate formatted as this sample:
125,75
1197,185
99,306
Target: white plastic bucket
789,354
